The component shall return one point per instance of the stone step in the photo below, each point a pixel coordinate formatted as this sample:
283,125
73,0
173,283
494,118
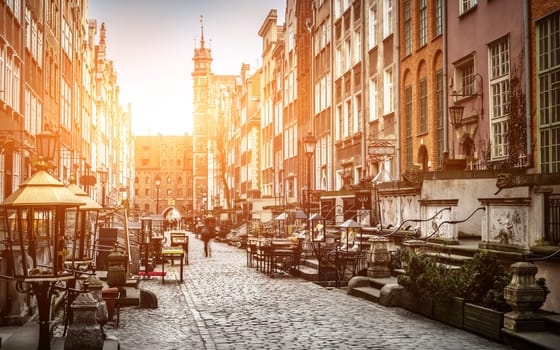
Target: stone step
531,340
449,259
553,323
368,293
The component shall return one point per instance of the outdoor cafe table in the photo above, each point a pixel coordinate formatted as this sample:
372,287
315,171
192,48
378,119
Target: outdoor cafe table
174,252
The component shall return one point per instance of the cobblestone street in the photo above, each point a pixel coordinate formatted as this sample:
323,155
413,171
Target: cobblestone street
223,304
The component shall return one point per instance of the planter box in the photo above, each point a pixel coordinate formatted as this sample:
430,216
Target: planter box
483,321
450,312
412,303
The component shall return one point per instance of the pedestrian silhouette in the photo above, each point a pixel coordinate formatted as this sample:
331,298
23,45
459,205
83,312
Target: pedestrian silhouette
206,234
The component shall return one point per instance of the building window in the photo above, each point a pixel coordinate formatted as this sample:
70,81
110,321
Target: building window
422,23
373,99
357,112
423,105
499,97
408,126
548,90
464,77
407,28
466,5
387,18
388,91
438,17
348,120
439,117
357,44
340,122
372,19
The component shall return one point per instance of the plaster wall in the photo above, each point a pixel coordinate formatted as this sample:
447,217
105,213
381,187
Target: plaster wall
550,271
468,192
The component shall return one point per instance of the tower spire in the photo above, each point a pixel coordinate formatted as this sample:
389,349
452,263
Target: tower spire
202,32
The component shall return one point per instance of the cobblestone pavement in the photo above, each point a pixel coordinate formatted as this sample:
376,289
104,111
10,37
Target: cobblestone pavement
223,304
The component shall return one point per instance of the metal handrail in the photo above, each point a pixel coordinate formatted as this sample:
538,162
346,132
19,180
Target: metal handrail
452,222
549,256
414,220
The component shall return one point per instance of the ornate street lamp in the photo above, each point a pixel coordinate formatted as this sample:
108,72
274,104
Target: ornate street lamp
146,240
158,184
83,243
281,224
456,110
350,230
318,227
46,148
103,174
34,224
456,114
309,142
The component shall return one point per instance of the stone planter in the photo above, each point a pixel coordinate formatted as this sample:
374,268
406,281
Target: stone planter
483,321
450,311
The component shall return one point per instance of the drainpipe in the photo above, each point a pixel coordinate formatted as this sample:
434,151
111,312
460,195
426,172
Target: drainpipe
364,140
528,107
397,102
444,33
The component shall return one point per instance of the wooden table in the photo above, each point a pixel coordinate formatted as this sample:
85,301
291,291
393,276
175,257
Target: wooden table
175,252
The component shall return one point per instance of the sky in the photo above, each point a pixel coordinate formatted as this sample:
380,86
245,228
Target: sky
151,44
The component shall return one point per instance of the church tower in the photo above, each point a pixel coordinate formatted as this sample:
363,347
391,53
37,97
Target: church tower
201,118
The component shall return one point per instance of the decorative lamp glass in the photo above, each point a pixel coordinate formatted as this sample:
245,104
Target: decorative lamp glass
318,228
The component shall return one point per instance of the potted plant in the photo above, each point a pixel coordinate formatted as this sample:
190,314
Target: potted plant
481,283
429,287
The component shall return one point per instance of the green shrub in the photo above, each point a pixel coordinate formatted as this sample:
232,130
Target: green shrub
426,279
480,280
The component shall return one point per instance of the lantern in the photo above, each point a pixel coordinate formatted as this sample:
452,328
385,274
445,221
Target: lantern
37,241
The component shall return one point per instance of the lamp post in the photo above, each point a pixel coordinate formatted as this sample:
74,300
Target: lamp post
103,172
158,184
456,113
309,142
35,222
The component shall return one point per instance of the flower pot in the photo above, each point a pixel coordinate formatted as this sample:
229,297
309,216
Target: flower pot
483,321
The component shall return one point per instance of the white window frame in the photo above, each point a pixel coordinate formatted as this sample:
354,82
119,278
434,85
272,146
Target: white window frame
373,95
372,21
466,5
387,18
499,64
388,93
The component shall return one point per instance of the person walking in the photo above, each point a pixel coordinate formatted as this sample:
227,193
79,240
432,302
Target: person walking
206,234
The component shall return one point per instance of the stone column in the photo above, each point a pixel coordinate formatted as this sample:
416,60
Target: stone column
84,333
525,297
378,257
95,286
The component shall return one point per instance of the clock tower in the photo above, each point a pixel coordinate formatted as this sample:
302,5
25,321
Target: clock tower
201,117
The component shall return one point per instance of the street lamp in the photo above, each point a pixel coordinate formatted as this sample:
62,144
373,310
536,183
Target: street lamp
456,113
83,243
34,223
309,142
103,173
158,184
